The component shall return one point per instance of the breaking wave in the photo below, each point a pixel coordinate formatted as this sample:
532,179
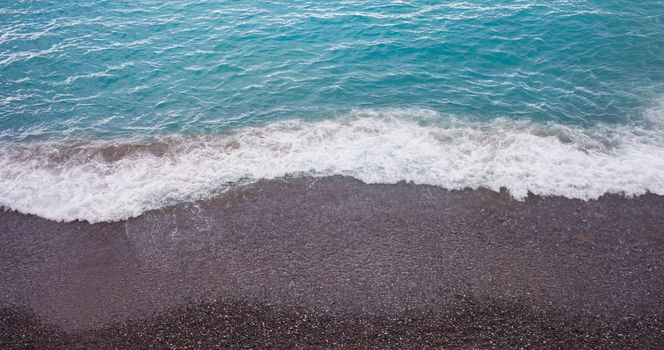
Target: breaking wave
112,180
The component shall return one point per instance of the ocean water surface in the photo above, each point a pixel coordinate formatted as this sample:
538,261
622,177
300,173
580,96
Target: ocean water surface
112,108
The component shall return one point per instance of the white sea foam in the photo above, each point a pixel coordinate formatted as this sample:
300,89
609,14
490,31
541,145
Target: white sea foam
103,181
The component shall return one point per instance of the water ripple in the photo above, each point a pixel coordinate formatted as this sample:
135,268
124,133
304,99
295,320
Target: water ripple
169,66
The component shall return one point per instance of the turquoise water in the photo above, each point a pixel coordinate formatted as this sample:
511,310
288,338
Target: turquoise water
523,88
123,67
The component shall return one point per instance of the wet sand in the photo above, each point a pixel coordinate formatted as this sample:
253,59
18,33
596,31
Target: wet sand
333,262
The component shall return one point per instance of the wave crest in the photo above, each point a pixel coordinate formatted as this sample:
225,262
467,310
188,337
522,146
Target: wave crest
114,180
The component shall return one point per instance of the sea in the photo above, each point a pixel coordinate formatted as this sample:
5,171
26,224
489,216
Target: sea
109,109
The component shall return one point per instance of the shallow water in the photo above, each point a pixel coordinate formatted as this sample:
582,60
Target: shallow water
549,97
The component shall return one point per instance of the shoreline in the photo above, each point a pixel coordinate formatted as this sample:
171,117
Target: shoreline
111,180
355,258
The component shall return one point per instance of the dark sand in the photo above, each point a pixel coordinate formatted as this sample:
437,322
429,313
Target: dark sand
333,262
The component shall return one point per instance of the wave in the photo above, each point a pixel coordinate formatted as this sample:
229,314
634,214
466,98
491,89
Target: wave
114,180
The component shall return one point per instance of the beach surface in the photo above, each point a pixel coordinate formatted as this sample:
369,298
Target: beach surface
303,262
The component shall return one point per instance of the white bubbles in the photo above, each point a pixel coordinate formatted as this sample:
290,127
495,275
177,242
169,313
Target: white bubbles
106,181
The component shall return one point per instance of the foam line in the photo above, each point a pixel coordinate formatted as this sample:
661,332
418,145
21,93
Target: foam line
114,180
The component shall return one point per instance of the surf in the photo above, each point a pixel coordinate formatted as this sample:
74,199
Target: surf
108,180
